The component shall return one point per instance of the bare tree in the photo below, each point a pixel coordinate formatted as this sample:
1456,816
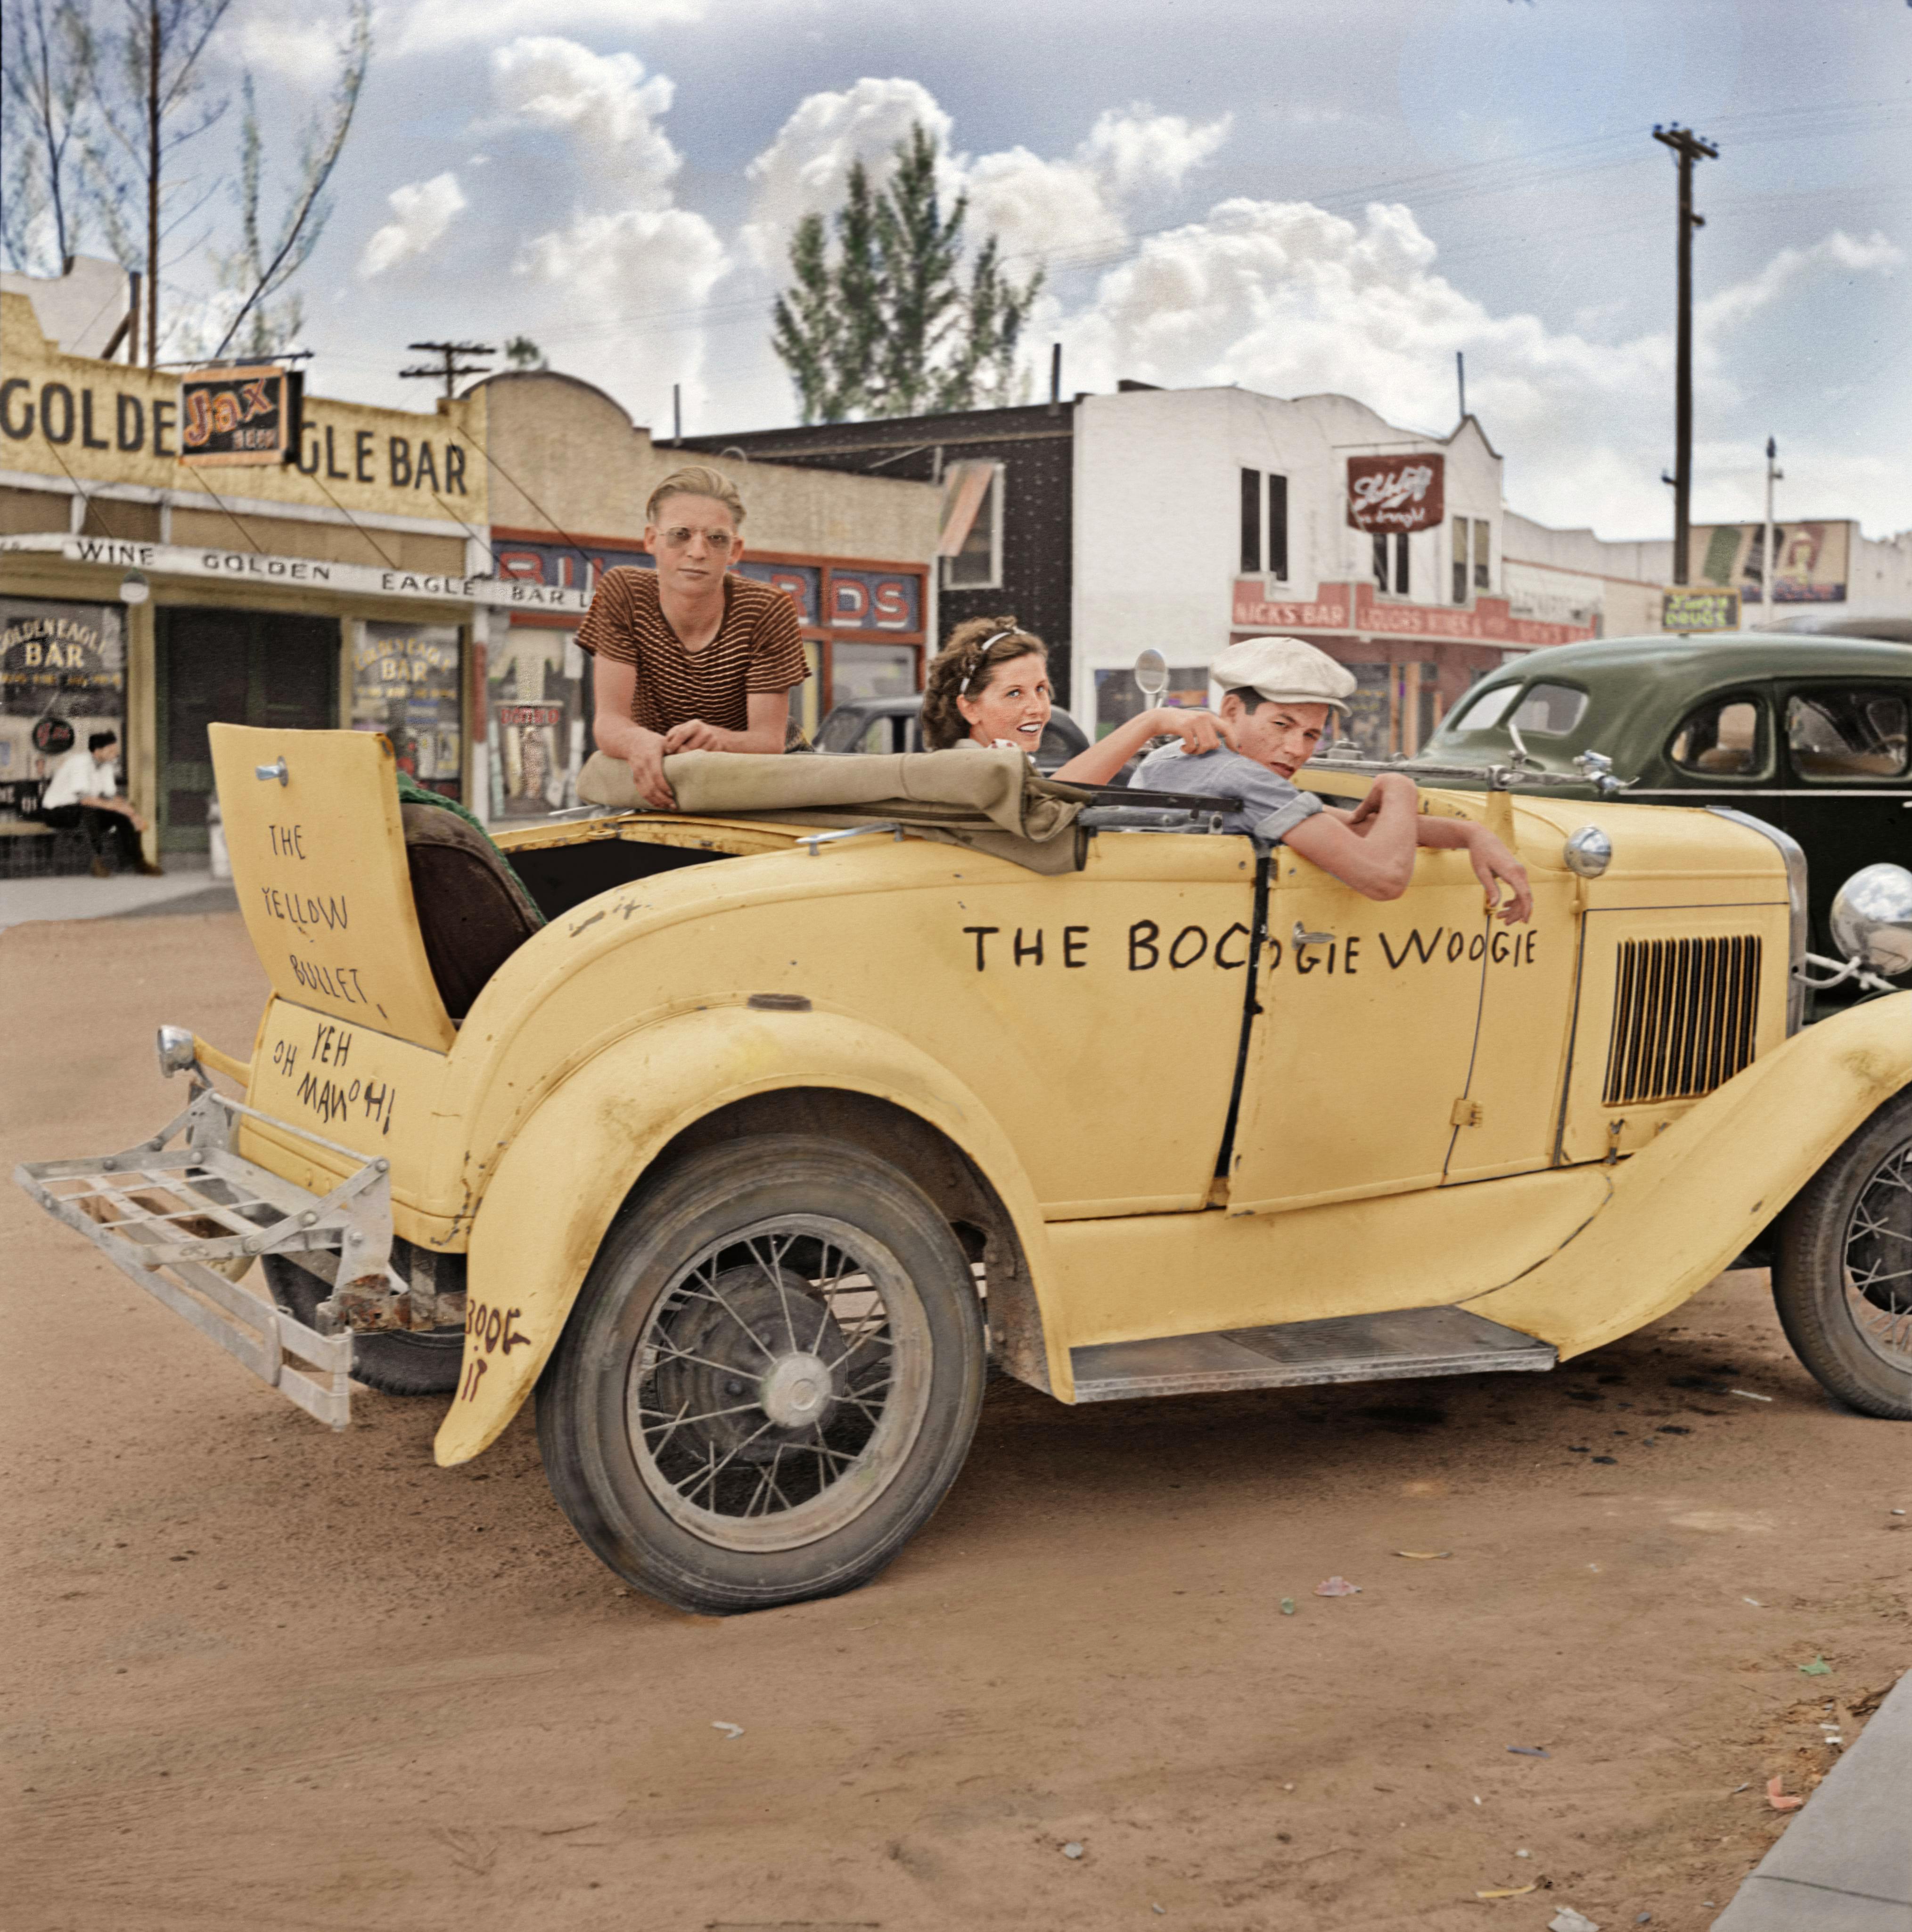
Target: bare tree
250,270
48,57
152,101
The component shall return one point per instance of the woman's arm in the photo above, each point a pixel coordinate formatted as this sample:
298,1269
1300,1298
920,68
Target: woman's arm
1099,764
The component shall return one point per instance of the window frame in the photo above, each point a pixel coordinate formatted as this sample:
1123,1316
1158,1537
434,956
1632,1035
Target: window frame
1275,526
991,507
1898,781
1762,696
1252,498
1459,550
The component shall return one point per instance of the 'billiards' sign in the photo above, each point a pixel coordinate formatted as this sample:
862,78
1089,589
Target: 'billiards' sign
249,416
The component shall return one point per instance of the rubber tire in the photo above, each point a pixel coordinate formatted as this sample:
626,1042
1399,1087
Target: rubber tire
393,1364
581,1429
1809,1270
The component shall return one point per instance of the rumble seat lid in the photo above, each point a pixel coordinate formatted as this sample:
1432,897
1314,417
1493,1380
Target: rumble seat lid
318,864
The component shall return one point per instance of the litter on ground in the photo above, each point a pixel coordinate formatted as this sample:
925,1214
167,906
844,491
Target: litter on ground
1337,1586
1818,1667
1776,1797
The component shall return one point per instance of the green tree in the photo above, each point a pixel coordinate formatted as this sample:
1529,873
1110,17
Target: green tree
884,325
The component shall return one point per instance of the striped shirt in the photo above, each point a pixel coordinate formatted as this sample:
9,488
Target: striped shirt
758,647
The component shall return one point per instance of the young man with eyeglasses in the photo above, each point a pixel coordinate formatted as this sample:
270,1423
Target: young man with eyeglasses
690,656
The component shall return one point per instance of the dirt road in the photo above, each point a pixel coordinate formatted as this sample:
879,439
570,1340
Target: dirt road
263,1676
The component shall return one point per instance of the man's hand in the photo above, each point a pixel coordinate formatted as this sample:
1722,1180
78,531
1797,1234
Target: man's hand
646,758
1198,731
693,735
1494,865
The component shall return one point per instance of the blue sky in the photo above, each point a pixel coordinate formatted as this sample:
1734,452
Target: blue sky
1294,197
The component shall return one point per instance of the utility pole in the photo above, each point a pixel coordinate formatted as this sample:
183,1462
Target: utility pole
1769,569
448,369
1460,376
1688,147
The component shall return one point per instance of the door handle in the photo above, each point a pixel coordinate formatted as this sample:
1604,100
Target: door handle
1302,938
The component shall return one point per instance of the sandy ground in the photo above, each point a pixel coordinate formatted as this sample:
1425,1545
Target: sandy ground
264,1676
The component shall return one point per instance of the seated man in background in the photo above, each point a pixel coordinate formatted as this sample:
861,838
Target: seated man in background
83,791
1280,694
690,657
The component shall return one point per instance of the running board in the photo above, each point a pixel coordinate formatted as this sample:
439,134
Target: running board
1388,1347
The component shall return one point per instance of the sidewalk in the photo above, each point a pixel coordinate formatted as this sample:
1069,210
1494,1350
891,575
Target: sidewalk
186,886
1845,1862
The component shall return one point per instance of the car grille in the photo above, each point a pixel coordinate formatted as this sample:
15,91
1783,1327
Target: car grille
1684,1012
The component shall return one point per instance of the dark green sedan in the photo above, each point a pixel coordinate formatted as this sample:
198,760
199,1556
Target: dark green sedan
1810,733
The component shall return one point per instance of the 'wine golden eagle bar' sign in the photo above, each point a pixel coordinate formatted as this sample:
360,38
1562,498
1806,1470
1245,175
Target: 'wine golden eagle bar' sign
249,416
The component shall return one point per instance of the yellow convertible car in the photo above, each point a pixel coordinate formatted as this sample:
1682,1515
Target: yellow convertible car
748,1135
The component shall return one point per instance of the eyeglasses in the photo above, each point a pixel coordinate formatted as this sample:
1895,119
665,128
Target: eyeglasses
679,534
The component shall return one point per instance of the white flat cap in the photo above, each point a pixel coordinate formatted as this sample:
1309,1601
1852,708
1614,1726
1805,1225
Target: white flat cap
1285,671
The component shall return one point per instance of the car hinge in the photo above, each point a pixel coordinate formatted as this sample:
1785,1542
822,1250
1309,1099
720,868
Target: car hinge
1251,1006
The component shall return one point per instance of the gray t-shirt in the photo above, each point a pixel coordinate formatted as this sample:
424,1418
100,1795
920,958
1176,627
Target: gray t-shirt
1270,807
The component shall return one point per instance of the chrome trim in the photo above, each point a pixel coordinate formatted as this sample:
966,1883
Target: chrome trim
1794,855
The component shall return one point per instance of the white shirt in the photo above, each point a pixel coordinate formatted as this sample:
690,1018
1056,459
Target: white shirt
78,776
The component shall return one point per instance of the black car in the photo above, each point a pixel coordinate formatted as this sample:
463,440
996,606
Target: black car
895,724
1812,733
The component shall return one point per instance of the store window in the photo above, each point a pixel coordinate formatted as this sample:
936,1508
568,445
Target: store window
1482,576
62,678
1460,527
407,682
1277,527
1118,699
871,670
1390,562
1251,521
535,726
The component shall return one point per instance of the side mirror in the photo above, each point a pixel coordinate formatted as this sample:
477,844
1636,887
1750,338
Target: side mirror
1151,676
1872,919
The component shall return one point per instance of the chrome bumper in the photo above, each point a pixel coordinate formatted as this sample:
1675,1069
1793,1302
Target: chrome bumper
185,1216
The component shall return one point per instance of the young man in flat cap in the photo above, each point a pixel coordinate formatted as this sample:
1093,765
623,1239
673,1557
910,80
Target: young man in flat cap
1279,694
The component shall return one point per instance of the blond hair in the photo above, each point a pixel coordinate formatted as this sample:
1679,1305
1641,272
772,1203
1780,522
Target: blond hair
697,481
963,668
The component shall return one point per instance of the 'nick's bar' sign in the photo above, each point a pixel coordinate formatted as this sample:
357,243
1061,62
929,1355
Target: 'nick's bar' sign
1396,493
240,416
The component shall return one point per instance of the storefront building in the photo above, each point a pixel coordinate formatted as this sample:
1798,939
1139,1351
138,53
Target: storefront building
571,475
1206,516
142,594
419,573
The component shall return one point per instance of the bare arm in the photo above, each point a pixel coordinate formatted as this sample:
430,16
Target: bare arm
1493,863
1099,764
768,713
619,736
1372,848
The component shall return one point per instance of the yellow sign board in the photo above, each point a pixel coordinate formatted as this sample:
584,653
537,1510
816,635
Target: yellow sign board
1687,610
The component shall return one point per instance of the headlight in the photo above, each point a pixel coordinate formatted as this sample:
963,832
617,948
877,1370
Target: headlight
175,1050
1872,919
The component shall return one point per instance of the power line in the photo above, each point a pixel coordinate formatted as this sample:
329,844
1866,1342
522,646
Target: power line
449,368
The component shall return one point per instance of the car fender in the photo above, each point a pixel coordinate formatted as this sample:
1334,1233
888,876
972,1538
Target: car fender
570,1166
1681,1209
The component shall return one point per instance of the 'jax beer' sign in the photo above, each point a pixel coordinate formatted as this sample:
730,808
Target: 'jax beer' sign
240,416
1395,493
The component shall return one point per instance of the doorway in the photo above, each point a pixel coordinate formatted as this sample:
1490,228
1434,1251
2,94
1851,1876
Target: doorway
257,667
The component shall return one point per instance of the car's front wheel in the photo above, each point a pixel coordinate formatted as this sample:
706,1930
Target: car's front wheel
770,1378
1842,1268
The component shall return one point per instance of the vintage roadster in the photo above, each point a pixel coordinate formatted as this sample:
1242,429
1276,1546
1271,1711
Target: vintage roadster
747,1134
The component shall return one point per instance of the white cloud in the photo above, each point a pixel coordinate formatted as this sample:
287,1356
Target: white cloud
603,101
1288,299
803,171
430,26
423,211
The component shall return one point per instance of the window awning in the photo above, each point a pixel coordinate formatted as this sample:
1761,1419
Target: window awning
965,485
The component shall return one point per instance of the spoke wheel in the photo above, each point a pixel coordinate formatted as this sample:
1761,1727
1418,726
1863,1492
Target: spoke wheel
770,1378
1842,1273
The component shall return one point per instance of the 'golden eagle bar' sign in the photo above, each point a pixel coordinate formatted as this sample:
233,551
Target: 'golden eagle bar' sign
1396,493
240,416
